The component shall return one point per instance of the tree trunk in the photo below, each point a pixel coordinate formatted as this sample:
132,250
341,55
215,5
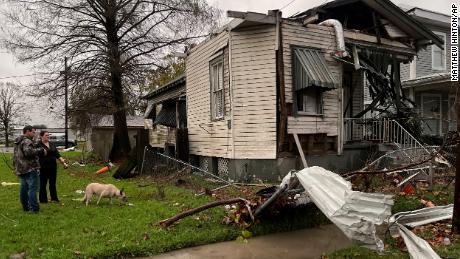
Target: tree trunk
7,137
121,146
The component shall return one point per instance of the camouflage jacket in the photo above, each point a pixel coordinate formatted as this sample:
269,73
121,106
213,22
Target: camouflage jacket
25,157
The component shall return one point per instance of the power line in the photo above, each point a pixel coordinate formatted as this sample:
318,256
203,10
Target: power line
287,4
36,74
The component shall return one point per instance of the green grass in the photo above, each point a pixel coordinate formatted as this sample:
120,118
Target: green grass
70,229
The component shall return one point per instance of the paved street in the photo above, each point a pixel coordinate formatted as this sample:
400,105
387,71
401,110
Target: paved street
306,243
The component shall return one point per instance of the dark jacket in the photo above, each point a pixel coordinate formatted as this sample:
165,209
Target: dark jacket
48,162
25,158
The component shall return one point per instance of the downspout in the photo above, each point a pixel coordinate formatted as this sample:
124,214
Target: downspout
341,51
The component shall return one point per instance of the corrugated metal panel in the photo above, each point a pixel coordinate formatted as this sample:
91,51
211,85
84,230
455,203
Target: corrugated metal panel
355,213
311,70
417,247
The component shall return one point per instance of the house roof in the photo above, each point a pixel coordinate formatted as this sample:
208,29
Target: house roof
131,121
425,15
387,9
425,80
173,84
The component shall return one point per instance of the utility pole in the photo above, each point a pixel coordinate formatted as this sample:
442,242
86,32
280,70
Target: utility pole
456,216
66,105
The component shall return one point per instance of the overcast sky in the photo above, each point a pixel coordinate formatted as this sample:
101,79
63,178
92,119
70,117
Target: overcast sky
10,68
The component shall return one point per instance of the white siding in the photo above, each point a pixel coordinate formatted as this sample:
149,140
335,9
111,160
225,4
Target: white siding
323,38
254,90
207,137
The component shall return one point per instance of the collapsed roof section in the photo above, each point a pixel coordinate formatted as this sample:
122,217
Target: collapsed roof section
381,18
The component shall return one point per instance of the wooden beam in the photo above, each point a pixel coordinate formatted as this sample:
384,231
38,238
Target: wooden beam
299,148
310,19
252,17
282,130
372,39
377,29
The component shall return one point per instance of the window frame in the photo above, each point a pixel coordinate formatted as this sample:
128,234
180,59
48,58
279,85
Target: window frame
439,120
213,90
443,52
319,102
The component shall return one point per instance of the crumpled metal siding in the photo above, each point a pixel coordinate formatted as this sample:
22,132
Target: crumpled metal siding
420,217
417,247
355,213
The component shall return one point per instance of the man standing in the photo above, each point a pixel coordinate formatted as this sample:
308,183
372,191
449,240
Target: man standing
27,168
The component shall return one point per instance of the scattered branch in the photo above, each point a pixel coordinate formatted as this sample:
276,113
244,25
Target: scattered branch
168,222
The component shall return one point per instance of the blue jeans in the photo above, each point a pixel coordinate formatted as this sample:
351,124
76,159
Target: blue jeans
28,191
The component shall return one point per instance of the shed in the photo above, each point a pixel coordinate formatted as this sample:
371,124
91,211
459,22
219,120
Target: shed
102,131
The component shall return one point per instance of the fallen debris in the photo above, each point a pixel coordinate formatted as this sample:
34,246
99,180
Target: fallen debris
428,204
168,222
9,184
270,200
420,217
356,213
417,247
68,149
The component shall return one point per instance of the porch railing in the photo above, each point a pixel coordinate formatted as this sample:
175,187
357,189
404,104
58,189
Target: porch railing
381,131
408,149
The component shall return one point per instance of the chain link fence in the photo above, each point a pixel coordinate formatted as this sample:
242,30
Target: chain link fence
164,168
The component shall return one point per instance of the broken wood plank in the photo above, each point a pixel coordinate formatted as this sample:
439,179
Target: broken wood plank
299,147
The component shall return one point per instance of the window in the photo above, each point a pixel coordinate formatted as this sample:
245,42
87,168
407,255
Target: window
216,72
438,56
309,100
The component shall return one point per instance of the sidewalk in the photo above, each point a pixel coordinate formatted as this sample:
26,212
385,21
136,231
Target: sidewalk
306,243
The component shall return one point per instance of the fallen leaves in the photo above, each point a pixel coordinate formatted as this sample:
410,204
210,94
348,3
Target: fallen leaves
436,234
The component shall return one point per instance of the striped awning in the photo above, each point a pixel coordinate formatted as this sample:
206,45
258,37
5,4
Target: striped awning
310,69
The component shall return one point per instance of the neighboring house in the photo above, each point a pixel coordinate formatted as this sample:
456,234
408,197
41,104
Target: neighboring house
101,134
427,78
166,119
264,87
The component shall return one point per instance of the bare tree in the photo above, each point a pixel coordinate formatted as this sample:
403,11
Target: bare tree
11,109
111,44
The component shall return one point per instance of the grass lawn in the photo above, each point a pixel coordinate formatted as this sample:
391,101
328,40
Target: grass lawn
70,229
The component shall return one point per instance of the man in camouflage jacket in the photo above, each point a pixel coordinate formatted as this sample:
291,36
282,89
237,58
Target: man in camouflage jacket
27,168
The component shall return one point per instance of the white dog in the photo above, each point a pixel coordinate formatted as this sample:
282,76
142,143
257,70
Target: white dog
103,190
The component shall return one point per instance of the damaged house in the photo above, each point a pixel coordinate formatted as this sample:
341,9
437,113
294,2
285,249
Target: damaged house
166,119
263,87
427,78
